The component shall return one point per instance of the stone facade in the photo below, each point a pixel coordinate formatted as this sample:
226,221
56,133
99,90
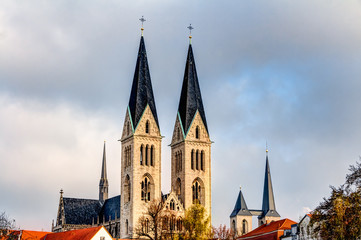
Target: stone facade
191,148
144,143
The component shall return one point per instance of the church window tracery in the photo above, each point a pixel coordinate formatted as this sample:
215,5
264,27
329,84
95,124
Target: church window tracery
196,189
146,188
180,224
171,205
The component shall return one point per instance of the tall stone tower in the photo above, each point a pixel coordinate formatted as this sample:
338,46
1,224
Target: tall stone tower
140,149
191,145
103,183
269,212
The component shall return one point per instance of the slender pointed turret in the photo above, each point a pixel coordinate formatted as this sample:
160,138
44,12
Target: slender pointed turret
142,93
241,207
268,204
103,183
191,99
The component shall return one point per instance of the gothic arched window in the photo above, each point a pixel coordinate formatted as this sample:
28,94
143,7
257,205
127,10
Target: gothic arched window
234,227
192,159
197,132
197,164
147,127
127,189
152,156
196,189
141,154
179,224
244,226
146,155
146,187
202,160
171,205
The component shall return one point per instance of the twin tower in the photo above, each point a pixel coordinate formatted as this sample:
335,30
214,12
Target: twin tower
141,148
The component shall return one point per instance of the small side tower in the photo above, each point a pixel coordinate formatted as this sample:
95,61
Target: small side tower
269,212
140,150
191,145
241,217
103,183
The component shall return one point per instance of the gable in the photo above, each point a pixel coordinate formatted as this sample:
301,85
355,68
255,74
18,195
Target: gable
127,126
178,134
202,130
178,206
147,116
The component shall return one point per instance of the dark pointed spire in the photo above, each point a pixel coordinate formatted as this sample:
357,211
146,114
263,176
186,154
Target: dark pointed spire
142,93
241,207
103,183
268,204
190,100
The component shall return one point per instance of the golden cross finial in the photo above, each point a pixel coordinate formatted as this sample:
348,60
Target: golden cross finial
266,148
142,19
190,32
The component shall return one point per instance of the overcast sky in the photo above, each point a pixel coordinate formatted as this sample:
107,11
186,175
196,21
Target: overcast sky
285,72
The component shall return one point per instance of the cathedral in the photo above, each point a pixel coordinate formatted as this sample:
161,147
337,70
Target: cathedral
141,160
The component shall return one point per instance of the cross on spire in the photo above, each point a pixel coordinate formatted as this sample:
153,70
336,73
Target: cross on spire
142,19
190,32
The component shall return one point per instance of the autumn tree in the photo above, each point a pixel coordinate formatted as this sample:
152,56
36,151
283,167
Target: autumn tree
222,233
7,225
196,223
339,216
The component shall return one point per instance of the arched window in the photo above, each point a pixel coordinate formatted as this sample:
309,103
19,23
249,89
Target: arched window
202,160
192,159
234,227
244,226
127,189
178,187
172,224
147,127
146,225
180,161
152,156
197,165
171,205
197,132
141,154
178,134
196,189
179,224
146,155
128,128
146,187
126,227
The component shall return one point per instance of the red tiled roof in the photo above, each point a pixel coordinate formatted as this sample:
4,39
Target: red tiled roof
32,235
80,234
269,228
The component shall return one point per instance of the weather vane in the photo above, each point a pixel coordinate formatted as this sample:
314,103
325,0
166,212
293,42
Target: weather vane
142,19
190,32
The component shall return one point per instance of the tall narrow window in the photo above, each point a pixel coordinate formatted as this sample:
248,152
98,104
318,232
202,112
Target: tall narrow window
202,160
127,189
197,164
192,159
180,161
196,189
126,227
147,127
141,155
244,226
152,156
197,132
128,129
146,155
146,188
171,205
